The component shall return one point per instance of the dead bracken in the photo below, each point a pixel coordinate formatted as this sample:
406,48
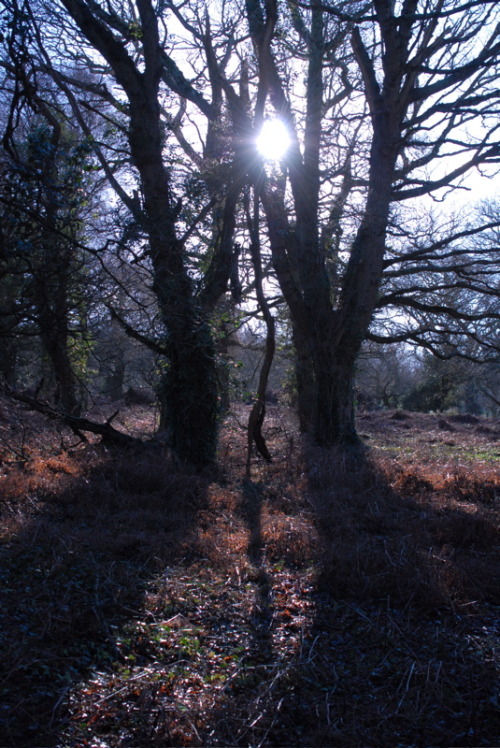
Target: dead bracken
345,598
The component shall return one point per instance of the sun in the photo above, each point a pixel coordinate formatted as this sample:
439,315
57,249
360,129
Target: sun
273,140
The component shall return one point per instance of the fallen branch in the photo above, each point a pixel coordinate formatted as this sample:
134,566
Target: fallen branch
106,431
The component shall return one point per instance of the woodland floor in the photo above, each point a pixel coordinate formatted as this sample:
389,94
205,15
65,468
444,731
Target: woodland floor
335,599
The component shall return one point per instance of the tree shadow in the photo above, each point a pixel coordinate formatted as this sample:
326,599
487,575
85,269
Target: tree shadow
391,540
406,584
394,630
325,605
250,509
81,543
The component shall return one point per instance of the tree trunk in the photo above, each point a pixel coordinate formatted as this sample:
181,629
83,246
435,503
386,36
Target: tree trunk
334,420
50,293
113,387
188,390
8,362
304,381
55,344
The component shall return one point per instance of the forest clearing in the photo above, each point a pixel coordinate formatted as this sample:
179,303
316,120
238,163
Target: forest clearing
335,598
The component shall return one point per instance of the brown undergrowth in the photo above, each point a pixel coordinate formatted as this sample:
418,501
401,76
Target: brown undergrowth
338,598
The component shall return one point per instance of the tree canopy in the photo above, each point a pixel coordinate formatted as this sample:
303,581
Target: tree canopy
388,107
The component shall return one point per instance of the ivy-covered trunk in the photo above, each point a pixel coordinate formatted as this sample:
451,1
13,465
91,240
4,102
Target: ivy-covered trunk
188,387
65,395
188,392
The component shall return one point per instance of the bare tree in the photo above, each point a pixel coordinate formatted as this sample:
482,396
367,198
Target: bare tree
386,104
133,84
441,286
415,80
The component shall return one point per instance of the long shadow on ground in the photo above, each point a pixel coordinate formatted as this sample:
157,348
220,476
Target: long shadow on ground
80,553
252,498
393,642
402,647
323,605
